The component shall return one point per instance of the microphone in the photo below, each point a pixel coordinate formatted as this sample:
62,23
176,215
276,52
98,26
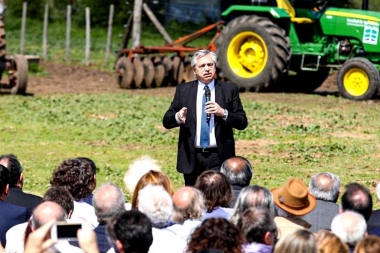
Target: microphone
208,98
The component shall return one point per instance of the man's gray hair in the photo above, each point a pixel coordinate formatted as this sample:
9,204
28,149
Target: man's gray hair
193,211
252,196
200,54
349,226
325,191
238,170
108,201
155,202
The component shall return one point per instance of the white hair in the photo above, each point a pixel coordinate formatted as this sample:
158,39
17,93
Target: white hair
137,169
349,226
155,202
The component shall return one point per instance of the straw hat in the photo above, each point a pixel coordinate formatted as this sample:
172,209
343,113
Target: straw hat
294,197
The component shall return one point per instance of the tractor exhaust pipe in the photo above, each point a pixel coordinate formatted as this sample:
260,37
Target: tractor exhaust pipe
365,5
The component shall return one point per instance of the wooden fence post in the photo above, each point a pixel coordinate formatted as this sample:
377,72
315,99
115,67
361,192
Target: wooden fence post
44,35
88,29
136,30
23,23
109,34
68,30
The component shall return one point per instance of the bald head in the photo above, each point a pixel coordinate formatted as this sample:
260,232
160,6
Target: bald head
238,170
183,197
188,204
325,186
47,211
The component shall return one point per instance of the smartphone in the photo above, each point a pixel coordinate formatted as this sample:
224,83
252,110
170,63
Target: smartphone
64,230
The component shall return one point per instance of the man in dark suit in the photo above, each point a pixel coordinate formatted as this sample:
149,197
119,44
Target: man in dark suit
223,111
325,188
16,181
373,224
10,215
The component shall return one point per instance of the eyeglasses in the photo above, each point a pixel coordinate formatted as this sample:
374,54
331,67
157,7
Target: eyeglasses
210,65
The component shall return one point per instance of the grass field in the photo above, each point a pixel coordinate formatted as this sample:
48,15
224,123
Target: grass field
287,135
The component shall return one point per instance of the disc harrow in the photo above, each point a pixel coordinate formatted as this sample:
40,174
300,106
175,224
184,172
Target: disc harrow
160,66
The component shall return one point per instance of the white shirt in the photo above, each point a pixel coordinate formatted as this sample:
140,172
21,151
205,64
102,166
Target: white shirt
84,211
200,94
166,241
185,229
219,212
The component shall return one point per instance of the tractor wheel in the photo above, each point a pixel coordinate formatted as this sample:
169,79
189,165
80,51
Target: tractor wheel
253,53
124,70
358,79
18,74
305,81
138,68
168,66
188,74
149,72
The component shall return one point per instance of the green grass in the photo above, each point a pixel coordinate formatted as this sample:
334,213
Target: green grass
288,135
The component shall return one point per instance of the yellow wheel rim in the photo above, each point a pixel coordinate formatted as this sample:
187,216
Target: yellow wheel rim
356,82
247,54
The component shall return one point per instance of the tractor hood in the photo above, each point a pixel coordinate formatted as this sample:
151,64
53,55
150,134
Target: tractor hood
360,25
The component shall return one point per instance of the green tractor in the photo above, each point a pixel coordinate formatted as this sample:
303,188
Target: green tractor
279,46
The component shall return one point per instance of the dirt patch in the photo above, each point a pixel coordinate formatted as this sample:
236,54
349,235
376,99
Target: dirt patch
72,79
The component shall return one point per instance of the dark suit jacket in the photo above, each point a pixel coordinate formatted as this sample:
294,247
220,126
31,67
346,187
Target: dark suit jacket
19,198
322,215
227,96
101,237
11,215
374,221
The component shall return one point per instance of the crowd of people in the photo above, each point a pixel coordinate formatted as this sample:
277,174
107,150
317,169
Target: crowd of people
225,211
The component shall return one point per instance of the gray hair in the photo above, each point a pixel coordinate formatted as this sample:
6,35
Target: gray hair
238,170
108,201
200,54
252,196
193,211
325,191
349,226
155,202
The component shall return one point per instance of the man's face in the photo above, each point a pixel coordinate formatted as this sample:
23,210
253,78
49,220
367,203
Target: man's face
205,69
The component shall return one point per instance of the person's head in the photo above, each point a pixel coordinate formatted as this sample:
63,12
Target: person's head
325,186
293,198
258,226
130,231
152,178
238,170
216,233
4,181
47,211
252,196
156,203
62,197
15,169
357,198
93,168
204,63
349,226
108,201
76,176
300,240
137,169
328,242
369,244
216,189
188,204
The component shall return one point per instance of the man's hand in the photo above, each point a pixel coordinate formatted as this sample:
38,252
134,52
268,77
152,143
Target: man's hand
40,240
214,108
181,115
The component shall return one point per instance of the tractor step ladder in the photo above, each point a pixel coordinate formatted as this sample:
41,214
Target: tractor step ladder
308,68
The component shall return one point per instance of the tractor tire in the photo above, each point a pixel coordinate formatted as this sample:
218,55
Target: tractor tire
18,75
3,42
149,72
139,72
125,72
358,79
178,69
305,81
254,53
